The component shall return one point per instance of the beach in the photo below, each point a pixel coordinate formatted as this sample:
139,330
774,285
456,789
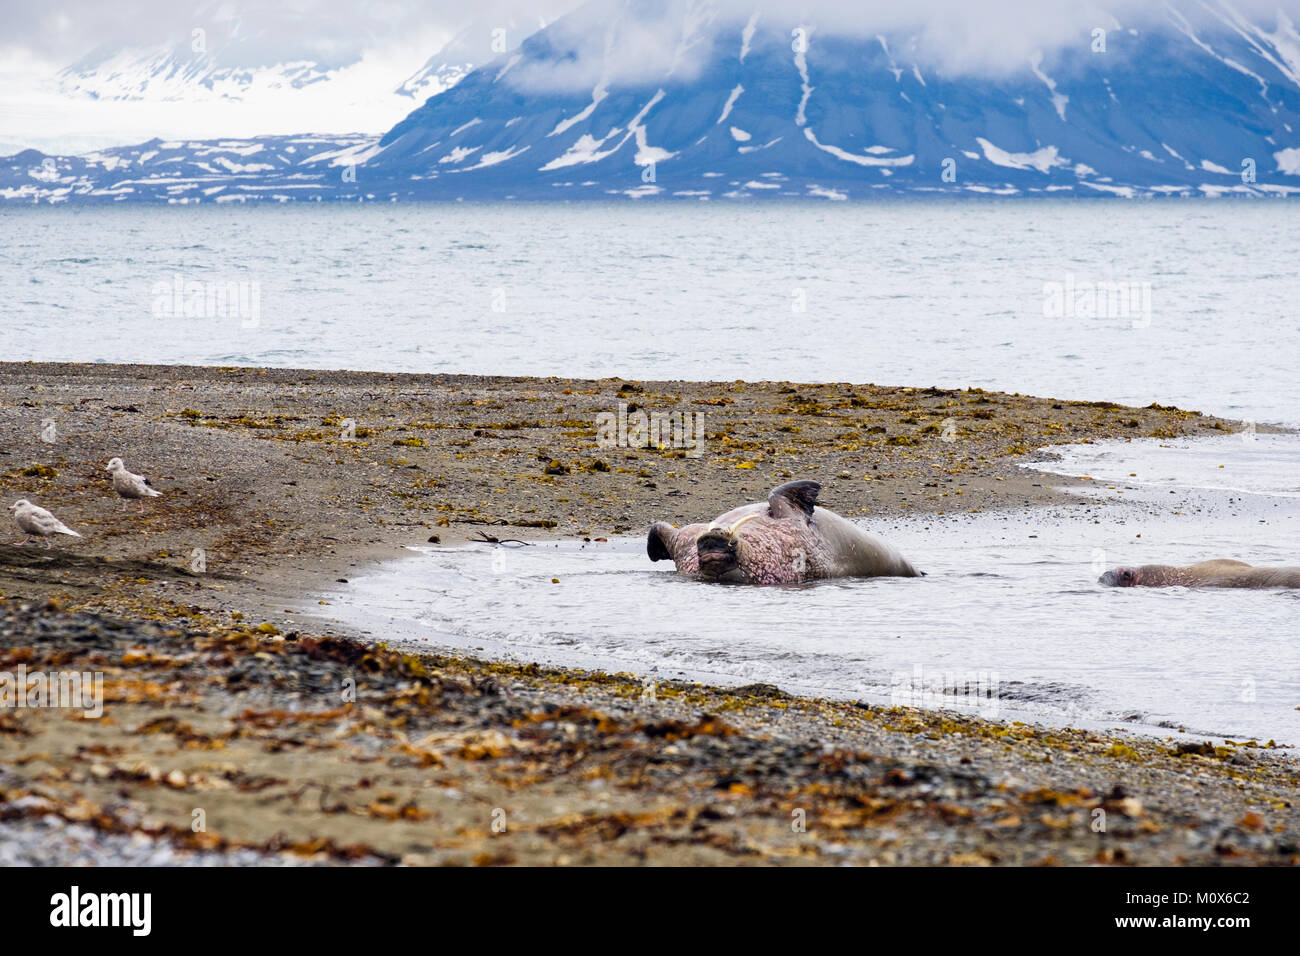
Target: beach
309,746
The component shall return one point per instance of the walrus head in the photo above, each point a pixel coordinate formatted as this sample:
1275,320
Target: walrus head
1120,578
717,553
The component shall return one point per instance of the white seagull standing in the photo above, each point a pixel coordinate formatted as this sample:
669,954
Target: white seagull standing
38,521
130,487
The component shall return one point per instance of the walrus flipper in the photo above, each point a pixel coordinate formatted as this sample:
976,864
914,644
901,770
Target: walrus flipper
801,495
655,546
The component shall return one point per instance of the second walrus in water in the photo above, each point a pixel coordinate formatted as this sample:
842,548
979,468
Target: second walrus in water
1220,573
784,540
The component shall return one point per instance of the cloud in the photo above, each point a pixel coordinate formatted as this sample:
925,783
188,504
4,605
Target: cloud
955,35
632,41
69,29
375,45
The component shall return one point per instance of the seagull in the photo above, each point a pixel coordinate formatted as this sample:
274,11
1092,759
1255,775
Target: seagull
129,486
34,520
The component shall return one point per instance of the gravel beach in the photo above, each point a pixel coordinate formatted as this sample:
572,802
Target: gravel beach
227,736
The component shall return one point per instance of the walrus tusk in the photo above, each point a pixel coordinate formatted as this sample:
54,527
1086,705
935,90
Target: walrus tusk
736,527
731,532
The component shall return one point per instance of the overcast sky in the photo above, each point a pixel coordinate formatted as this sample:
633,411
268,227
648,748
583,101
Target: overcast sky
379,43
67,29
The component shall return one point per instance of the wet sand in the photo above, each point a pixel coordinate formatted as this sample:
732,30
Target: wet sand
278,482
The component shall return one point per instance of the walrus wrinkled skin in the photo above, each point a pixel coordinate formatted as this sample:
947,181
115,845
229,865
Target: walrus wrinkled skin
784,540
1220,573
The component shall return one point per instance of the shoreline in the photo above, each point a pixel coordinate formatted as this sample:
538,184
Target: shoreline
258,476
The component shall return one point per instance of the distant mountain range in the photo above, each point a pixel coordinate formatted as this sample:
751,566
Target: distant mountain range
1202,101
227,58
267,168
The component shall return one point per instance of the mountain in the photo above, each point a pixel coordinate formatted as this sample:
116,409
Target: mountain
229,67
686,99
480,42
266,168
230,56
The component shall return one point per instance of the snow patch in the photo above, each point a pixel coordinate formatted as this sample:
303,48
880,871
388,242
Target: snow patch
856,158
747,35
585,150
1125,191
599,93
731,101
243,167
801,64
491,159
825,192
1042,159
459,154
1059,100
1288,161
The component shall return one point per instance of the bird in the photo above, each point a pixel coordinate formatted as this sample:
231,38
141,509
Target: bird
130,487
38,521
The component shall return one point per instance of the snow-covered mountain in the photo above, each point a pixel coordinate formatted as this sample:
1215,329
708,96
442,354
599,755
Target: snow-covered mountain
232,68
693,99
480,42
265,168
228,56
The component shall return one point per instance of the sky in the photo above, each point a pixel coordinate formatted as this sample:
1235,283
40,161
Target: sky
372,46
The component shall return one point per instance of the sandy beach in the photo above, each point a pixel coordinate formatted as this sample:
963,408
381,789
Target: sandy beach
311,747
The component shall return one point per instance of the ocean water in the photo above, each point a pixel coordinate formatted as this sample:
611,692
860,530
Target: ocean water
1009,621
1199,310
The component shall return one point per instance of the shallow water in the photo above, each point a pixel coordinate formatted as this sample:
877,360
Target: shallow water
1009,612
903,293
1245,463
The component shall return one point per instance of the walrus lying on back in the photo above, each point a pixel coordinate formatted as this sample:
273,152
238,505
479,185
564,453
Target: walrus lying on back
787,539
1219,573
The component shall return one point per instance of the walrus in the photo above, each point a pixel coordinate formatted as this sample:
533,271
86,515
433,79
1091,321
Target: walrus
784,540
1219,573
